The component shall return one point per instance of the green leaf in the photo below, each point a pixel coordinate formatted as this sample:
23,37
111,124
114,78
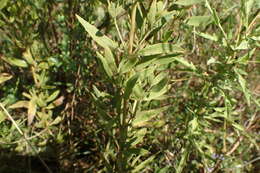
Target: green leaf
3,3
207,36
15,62
188,2
249,6
5,77
53,96
105,65
143,164
130,85
138,137
185,63
56,121
142,117
161,48
152,12
158,90
199,20
127,64
110,60
28,57
245,58
244,45
242,83
2,116
96,35
114,9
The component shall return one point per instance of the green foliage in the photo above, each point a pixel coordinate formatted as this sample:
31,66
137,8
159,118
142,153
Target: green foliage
131,86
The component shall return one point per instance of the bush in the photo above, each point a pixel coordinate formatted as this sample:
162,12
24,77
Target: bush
151,86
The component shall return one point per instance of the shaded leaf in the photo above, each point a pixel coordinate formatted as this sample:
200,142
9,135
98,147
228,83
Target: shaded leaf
105,65
143,164
158,90
110,60
130,85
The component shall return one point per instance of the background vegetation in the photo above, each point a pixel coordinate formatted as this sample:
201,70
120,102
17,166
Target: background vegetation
129,86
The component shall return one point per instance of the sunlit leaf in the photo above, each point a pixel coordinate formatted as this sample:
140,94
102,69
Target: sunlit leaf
31,111
5,77
3,3
161,48
15,62
199,20
101,39
185,63
244,45
208,36
142,117
53,96
152,12
188,2
19,104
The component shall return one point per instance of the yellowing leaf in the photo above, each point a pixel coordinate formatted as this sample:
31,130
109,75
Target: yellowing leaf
31,111
19,104
28,57
4,77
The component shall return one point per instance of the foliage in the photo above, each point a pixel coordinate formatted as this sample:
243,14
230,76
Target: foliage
151,86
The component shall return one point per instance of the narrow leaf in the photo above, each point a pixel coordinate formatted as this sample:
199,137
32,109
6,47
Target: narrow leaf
53,96
185,63
161,48
207,36
199,20
143,164
5,77
96,35
188,2
142,117
105,65
15,62
19,104
31,111
130,85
